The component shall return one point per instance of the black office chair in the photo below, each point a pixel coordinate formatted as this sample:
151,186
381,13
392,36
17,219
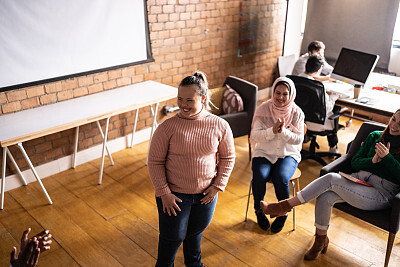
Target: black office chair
310,98
387,219
240,122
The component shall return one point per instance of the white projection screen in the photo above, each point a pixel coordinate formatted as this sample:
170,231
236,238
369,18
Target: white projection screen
45,40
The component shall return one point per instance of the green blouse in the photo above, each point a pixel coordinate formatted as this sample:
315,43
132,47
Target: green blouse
388,168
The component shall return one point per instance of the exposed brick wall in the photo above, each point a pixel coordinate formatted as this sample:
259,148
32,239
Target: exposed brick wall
186,35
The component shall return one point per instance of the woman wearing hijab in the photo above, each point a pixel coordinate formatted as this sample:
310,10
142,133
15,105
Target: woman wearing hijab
276,136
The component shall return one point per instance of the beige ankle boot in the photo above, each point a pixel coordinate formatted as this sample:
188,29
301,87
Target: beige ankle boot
320,246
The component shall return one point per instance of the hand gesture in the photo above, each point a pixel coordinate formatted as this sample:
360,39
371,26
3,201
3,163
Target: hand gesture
30,248
381,151
278,126
29,254
209,195
44,239
170,205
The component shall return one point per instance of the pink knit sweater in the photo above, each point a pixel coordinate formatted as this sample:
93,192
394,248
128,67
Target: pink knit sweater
187,155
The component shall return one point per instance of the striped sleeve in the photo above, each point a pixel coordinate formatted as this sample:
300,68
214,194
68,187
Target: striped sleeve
226,159
157,160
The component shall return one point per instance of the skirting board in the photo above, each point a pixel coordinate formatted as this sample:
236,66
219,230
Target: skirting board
62,164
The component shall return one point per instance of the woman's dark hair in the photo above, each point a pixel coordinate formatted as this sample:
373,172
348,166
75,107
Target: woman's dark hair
285,84
199,79
385,133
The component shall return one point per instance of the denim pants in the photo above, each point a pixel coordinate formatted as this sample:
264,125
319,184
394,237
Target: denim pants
333,188
186,227
278,173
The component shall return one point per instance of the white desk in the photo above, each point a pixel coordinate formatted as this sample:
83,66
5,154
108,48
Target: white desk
385,104
26,125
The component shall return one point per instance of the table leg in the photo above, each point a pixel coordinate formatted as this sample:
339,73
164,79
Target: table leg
153,126
154,113
102,135
294,210
16,166
134,127
103,151
350,118
3,177
34,172
75,147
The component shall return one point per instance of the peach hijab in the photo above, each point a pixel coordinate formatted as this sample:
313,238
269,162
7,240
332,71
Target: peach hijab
268,112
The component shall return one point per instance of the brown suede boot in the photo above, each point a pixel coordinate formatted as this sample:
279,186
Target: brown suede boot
320,246
276,209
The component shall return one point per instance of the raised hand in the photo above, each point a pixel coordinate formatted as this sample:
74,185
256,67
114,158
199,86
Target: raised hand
381,151
44,239
29,254
278,126
170,205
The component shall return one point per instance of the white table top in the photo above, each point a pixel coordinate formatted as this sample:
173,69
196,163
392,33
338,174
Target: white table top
44,120
378,79
383,103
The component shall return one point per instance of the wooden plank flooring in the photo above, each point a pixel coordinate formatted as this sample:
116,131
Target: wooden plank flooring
116,223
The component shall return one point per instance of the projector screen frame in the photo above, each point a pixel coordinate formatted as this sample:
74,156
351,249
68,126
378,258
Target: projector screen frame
84,73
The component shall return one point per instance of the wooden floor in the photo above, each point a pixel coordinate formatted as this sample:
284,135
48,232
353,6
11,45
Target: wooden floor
115,224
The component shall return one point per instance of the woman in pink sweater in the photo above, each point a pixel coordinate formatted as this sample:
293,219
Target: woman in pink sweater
191,157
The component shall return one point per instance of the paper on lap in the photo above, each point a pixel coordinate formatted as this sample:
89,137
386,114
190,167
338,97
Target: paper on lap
354,179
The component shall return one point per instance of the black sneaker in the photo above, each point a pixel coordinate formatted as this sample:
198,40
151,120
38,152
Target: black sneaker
278,224
262,220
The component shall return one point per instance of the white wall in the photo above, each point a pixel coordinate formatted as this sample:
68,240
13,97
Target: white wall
394,63
293,36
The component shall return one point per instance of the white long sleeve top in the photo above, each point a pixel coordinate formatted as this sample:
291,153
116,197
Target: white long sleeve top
274,146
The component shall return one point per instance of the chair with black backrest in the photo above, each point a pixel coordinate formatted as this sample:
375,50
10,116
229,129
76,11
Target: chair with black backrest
310,98
387,219
240,122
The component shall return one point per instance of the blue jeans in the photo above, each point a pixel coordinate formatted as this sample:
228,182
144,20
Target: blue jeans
186,227
278,173
333,188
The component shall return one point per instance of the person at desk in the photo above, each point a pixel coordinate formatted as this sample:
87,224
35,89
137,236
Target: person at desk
314,48
313,66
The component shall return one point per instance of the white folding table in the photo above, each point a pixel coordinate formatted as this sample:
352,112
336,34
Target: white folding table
26,125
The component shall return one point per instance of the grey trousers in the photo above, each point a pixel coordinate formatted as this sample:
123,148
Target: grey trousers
333,188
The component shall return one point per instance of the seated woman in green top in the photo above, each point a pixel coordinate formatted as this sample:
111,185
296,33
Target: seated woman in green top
377,162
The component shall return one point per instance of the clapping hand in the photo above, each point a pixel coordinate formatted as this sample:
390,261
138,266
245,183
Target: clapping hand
381,151
278,126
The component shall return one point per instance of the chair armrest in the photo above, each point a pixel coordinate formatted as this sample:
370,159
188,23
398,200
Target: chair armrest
341,164
395,216
335,116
